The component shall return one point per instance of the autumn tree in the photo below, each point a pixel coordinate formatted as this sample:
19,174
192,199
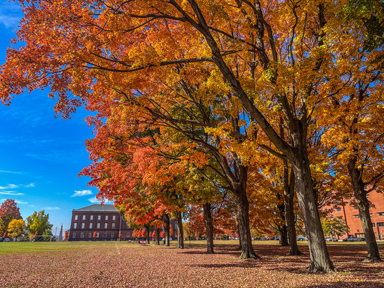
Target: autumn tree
38,223
8,212
16,228
271,60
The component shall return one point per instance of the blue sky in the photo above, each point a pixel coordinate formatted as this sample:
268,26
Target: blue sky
40,156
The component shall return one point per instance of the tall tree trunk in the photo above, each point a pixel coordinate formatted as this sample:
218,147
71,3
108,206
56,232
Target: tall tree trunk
238,231
157,236
283,236
148,236
320,260
180,231
289,193
363,205
243,221
208,221
166,229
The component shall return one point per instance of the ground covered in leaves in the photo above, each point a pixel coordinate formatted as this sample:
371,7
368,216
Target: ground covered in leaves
118,264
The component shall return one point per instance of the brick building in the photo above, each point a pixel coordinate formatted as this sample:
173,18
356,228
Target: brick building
105,220
350,213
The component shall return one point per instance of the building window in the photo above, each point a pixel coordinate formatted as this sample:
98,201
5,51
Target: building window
113,225
82,225
89,235
98,217
373,224
380,224
83,217
114,217
106,226
98,225
74,235
76,217
97,235
128,234
112,235
90,225
106,217
338,209
357,216
381,213
75,225
91,217
82,235
370,214
105,235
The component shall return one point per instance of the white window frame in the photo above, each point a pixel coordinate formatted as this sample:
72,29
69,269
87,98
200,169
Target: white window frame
113,225
106,217
90,225
114,217
75,226
105,225
98,217
76,217
98,225
82,225
91,217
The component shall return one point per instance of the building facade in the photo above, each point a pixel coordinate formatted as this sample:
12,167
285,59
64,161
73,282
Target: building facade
105,220
350,213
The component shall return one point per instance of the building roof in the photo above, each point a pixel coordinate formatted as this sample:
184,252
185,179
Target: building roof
98,208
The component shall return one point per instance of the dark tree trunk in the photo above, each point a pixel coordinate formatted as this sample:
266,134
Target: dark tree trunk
238,231
208,221
166,229
283,236
243,221
180,231
148,236
157,236
320,260
363,205
289,193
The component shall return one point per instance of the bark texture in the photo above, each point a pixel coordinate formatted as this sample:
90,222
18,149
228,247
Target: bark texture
289,193
363,205
166,229
208,221
180,231
157,236
148,235
320,260
243,221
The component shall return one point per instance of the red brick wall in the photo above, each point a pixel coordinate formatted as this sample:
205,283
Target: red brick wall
351,215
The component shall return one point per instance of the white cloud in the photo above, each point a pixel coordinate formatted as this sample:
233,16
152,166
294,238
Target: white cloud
82,193
9,186
9,21
52,208
12,193
11,172
30,185
17,201
94,200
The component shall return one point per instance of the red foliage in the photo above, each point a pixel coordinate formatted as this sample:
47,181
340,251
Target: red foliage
8,212
66,235
143,233
94,234
154,233
162,234
5,234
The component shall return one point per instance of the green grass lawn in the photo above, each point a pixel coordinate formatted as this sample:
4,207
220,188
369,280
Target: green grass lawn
46,247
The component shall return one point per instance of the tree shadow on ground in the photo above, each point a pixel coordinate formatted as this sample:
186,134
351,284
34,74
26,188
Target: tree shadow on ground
365,284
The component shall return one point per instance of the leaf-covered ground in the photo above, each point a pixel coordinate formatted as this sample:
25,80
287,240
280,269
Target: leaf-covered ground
117,264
